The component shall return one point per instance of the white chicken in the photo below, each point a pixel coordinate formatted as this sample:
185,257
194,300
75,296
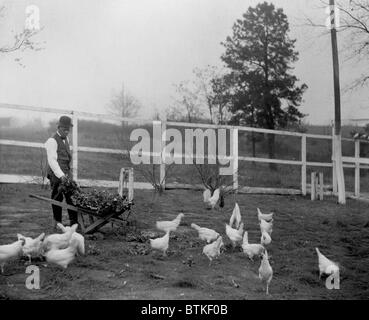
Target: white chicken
161,244
207,195
205,233
236,216
265,238
214,198
10,251
211,200
75,235
63,257
268,217
32,247
169,226
266,226
234,235
251,249
325,265
59,240
265,271
212,250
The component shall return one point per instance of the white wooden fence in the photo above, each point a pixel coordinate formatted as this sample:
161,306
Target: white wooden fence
349,162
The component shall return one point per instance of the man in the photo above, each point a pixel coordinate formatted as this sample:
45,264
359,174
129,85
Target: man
59,160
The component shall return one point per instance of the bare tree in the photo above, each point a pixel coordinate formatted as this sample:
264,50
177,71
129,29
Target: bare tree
355,23
205,97
124,104
24,39
153,177
354,27
212,180
203,79
159,114
187,104
151,174
42,166
213,92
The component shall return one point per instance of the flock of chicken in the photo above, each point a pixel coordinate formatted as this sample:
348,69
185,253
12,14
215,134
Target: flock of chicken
234,231
61,248
236,234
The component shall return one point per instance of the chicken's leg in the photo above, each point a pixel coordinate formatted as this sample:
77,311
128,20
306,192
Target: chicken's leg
267,291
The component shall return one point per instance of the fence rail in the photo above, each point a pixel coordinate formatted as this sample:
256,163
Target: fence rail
349,162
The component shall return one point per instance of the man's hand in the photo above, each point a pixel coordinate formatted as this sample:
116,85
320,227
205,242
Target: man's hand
63,179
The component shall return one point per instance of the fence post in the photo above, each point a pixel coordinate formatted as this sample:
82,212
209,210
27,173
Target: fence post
234,133
303,166
126,180
313,185
75,147
162,157
121,182
130,184
357,168
321,186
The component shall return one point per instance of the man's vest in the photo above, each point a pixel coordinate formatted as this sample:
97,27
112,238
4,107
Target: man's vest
64,157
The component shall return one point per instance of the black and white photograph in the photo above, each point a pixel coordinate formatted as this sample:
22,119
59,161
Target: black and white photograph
208,151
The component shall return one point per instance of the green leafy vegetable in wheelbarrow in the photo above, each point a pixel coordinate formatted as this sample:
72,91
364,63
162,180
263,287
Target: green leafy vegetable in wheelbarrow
100,201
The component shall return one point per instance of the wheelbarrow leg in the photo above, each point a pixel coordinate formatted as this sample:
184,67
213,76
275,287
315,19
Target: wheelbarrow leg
81,221
91,218
99,223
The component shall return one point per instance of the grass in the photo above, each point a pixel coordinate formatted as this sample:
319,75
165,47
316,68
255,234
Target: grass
123,266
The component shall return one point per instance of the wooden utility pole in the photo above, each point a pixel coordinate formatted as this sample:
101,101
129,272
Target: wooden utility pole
124,101
337,156
336,76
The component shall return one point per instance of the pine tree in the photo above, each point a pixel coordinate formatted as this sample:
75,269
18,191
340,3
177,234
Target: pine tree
259,55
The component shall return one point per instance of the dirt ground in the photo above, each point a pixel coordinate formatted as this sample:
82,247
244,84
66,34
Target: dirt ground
119,263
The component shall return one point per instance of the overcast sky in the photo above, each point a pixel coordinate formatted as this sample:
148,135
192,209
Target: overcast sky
93,46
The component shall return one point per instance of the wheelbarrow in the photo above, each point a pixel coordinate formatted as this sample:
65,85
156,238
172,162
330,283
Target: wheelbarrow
89,220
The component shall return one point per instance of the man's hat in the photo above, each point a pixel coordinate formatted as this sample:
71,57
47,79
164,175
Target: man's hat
65,121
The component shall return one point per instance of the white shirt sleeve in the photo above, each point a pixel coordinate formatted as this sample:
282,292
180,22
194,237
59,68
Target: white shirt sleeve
52,156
